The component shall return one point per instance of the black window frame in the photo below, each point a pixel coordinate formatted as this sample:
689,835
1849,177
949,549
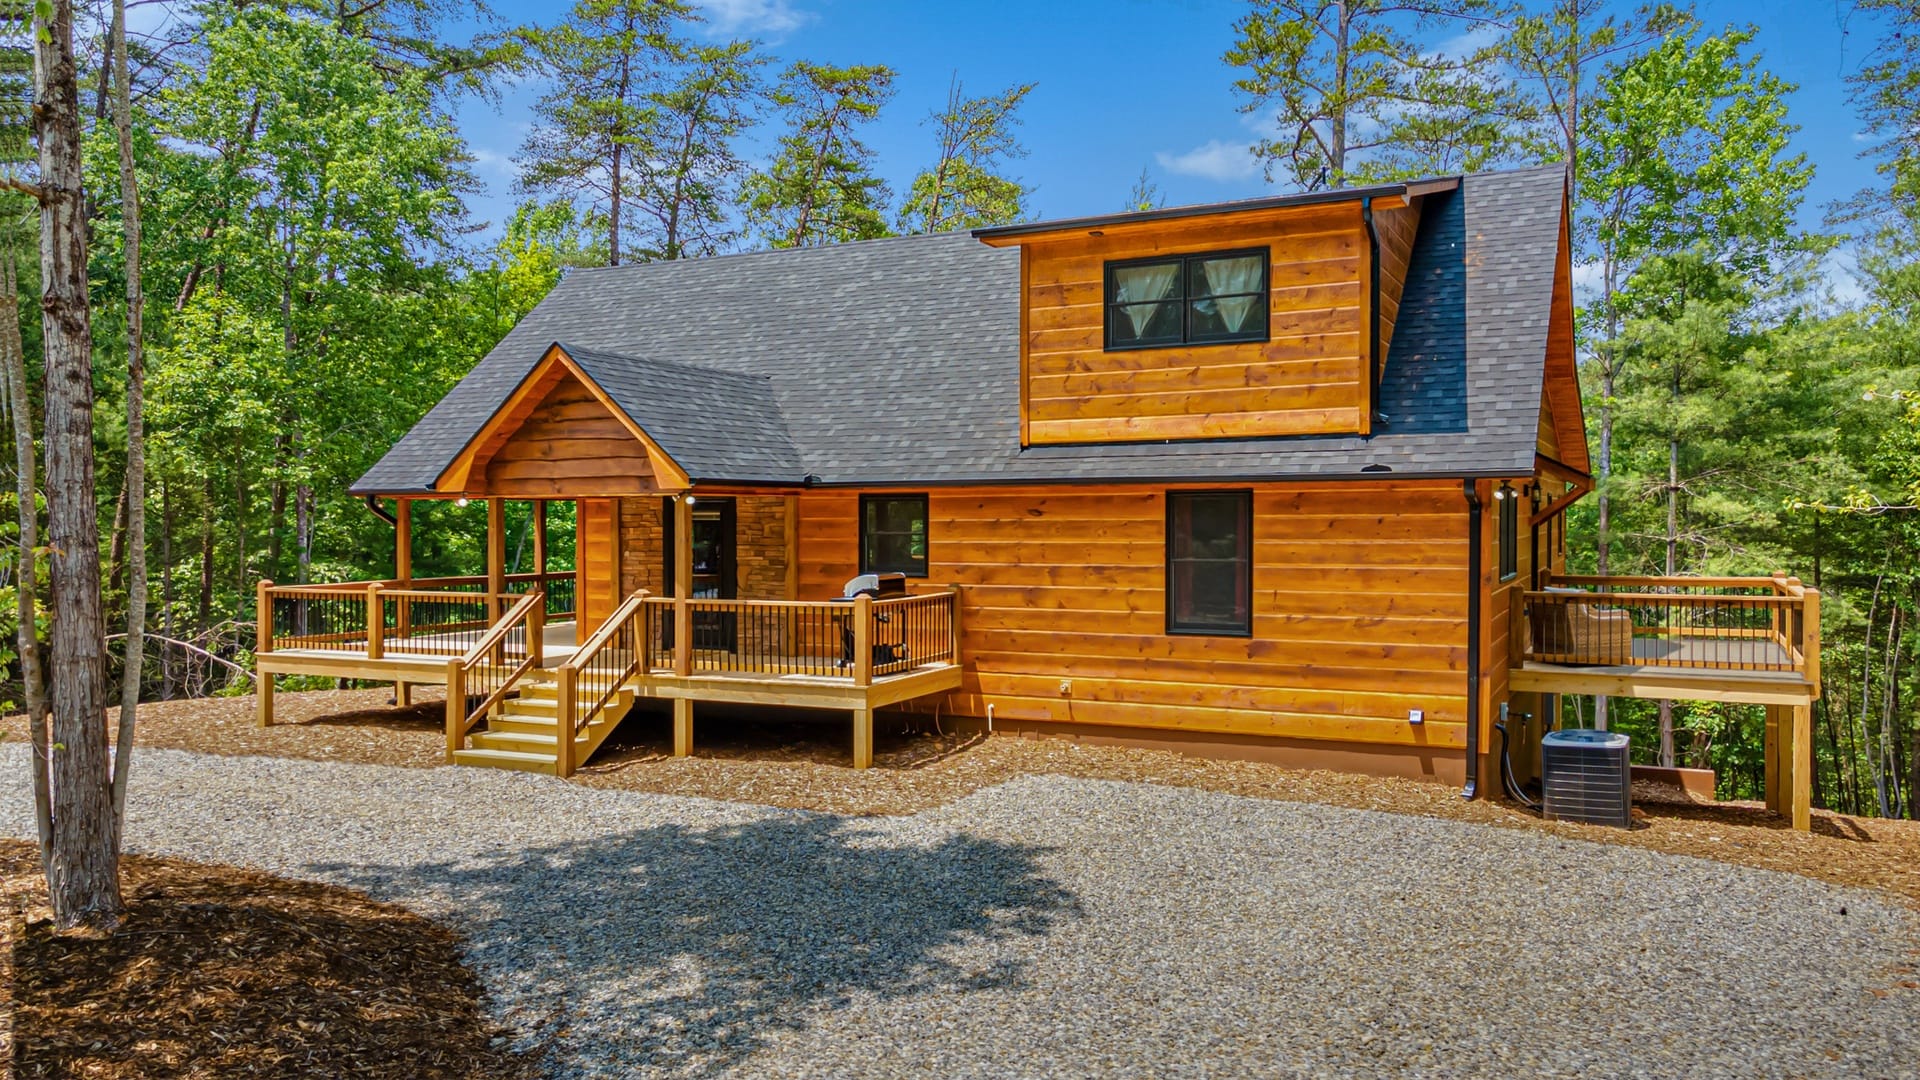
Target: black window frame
1186,301
1509,526
866,565
1174,626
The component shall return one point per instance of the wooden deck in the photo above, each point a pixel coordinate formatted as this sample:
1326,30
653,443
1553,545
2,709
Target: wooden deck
547,709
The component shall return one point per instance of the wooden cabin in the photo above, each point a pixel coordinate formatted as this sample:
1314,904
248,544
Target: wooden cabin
1281,478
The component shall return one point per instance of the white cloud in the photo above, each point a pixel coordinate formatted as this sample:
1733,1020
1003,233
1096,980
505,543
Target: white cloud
1861,136
1586,281
1216,160
1461,46
491,161
766,17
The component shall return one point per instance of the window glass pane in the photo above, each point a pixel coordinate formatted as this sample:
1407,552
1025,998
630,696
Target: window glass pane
893,535
1144,324
1150,281
1209,561
1224,277
1228,317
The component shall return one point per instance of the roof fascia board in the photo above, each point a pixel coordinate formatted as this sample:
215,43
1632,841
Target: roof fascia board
1009,235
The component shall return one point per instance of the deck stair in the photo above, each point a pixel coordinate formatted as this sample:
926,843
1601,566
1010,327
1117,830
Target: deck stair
520,732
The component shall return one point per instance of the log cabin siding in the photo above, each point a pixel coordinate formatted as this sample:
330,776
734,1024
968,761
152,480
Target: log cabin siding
1309,377
1359,609
1396,230
569,445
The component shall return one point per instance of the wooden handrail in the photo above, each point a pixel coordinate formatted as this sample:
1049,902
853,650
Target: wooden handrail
1672,599
598,639
1676,581
571,716
498,634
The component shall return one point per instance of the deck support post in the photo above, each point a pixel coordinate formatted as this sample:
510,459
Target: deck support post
682,727
862,738
565,718
1770,759
456,707
262,645
1799,760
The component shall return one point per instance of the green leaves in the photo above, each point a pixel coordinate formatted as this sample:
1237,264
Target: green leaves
964,189
820,187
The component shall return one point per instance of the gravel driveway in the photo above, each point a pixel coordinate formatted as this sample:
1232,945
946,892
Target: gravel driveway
1055,927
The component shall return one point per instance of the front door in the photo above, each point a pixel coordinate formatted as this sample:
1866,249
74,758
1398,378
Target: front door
596,561
714,574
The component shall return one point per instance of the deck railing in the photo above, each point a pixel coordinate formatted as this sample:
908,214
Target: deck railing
492,668
424,616
825,639
1739,624
588,681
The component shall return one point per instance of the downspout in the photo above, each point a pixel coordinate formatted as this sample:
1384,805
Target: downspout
373,505
1473,639
1373,305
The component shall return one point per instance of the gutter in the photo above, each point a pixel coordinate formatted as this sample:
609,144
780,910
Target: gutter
1473,638
374,507
1373,306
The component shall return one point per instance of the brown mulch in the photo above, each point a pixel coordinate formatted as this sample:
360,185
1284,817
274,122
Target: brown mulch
322,725
219,971
800,760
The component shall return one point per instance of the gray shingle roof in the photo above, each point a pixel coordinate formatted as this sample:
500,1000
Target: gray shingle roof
897,362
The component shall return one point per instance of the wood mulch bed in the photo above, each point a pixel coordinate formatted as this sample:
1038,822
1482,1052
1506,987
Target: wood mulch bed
778,760
219,971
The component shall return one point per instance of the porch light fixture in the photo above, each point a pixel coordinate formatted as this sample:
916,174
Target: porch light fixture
1506,491
460,501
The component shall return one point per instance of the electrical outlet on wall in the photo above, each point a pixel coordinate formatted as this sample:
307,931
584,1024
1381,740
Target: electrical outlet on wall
1066,687
1416,716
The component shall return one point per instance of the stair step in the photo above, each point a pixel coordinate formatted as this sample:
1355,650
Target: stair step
525,742
532,725
506,759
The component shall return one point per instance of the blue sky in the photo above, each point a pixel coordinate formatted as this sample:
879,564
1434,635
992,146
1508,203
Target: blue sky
1132,84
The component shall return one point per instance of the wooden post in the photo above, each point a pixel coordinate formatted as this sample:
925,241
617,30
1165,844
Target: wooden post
262,645
682,727
403,575
536,633
863,640
1799,759
862,738
540,540
682,588
566,717
1810,637
376,622
1770,756
496,557
456,707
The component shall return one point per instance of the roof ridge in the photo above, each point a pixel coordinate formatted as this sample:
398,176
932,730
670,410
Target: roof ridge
842,245
682,365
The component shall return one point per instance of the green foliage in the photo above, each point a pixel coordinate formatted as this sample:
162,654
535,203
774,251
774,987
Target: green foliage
963,189
820,187
598,130
1357,91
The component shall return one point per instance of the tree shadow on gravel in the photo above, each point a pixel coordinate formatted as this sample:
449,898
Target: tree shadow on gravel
682,950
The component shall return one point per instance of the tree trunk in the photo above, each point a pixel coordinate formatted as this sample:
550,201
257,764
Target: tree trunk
32,674
136,479
166,590
83,879
1337,152
203,610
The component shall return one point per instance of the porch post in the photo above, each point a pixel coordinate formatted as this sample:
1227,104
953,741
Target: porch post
403,573
496,556
682,584
262,645
540,540
403,542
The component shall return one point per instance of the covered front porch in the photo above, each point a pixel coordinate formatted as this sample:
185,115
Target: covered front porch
675,597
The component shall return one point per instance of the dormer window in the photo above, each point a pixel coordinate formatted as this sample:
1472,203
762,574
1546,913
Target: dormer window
1201,299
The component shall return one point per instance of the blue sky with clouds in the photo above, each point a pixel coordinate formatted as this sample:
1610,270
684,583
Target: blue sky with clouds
1132,84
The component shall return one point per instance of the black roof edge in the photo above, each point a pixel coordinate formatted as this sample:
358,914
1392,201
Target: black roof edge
1270,202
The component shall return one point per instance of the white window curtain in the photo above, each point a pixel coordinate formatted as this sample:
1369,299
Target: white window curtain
1135,284
1233,276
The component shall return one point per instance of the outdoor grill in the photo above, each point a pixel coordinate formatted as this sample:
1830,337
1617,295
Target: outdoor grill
880,587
